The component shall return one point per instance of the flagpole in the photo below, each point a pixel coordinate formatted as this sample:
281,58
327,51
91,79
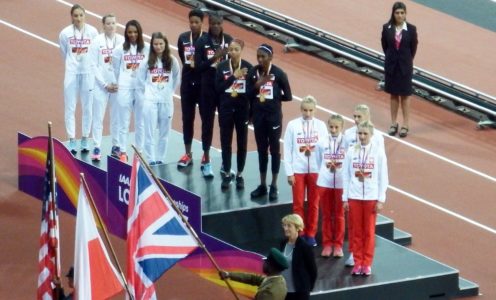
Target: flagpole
107,239
183,218
53,202
52,198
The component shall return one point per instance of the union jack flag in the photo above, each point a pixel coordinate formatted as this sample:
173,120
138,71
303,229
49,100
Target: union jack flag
156,236
48,255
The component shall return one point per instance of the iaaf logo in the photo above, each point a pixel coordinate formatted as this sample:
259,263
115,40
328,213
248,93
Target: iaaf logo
309,140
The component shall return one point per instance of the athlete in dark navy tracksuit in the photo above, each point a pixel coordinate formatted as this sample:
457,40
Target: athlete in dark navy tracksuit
210,49
267,86
230,83
190,81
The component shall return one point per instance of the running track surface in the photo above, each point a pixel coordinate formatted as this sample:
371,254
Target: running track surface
443,182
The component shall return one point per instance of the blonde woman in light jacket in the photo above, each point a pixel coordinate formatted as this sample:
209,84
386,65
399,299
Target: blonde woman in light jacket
365,181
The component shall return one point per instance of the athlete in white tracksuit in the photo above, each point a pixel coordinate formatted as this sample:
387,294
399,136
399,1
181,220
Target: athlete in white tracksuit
75,41
126,60
106,84
159,83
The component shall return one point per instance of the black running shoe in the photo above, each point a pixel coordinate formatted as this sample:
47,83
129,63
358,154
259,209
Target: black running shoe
260,191
240,183
273,193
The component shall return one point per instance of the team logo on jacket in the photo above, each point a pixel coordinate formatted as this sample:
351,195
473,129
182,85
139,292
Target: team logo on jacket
308,140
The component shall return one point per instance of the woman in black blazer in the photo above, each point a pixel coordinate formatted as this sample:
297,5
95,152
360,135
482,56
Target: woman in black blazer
302,272
399,43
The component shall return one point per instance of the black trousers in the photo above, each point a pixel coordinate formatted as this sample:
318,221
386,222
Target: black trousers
190,96
298,296
208,104
230,117
268,130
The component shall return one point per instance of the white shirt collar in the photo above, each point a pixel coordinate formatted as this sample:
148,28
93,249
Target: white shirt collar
404,27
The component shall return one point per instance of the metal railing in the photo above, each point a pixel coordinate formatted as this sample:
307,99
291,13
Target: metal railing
299,35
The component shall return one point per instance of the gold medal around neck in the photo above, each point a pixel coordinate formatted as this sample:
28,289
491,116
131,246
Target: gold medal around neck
262,98
234,93
361,176
332,167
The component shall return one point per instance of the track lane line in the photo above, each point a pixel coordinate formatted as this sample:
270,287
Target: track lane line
408,144
409,195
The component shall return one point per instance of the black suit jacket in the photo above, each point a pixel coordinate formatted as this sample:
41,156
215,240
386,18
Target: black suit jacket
303,264
403,57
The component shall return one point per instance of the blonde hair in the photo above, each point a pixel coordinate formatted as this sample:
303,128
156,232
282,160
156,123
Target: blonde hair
294,219
308,100
367,124
336,117
363,108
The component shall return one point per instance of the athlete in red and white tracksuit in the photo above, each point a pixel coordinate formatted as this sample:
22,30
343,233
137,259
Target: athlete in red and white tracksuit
302,163
105,83
129,97
75,41
365,181
159,84
330,182
361,113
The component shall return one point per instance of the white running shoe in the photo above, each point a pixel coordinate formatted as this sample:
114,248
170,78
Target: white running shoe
350,262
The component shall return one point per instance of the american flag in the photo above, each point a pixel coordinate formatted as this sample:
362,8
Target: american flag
156,239
49,255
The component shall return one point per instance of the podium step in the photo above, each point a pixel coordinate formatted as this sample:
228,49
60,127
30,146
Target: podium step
467,288
401,237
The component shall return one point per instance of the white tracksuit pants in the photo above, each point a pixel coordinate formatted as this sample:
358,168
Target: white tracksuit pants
78,85
100,99
158,116
129,100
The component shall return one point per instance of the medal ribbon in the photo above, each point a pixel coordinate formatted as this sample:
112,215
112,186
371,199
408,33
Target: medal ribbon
335,152
79,43
233,86
109,54
266,73
363,160
307,136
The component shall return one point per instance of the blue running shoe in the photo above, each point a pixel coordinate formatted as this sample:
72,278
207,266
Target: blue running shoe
311,241
207,170
84,145
115,152
96,155
72,146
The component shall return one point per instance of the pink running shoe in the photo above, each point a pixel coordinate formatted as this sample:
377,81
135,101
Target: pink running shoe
357,270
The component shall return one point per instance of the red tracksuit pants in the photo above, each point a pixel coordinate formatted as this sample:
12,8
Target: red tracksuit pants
307,182
331,206
362,216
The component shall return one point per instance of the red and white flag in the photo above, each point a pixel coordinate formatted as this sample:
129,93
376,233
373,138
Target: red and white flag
95,277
